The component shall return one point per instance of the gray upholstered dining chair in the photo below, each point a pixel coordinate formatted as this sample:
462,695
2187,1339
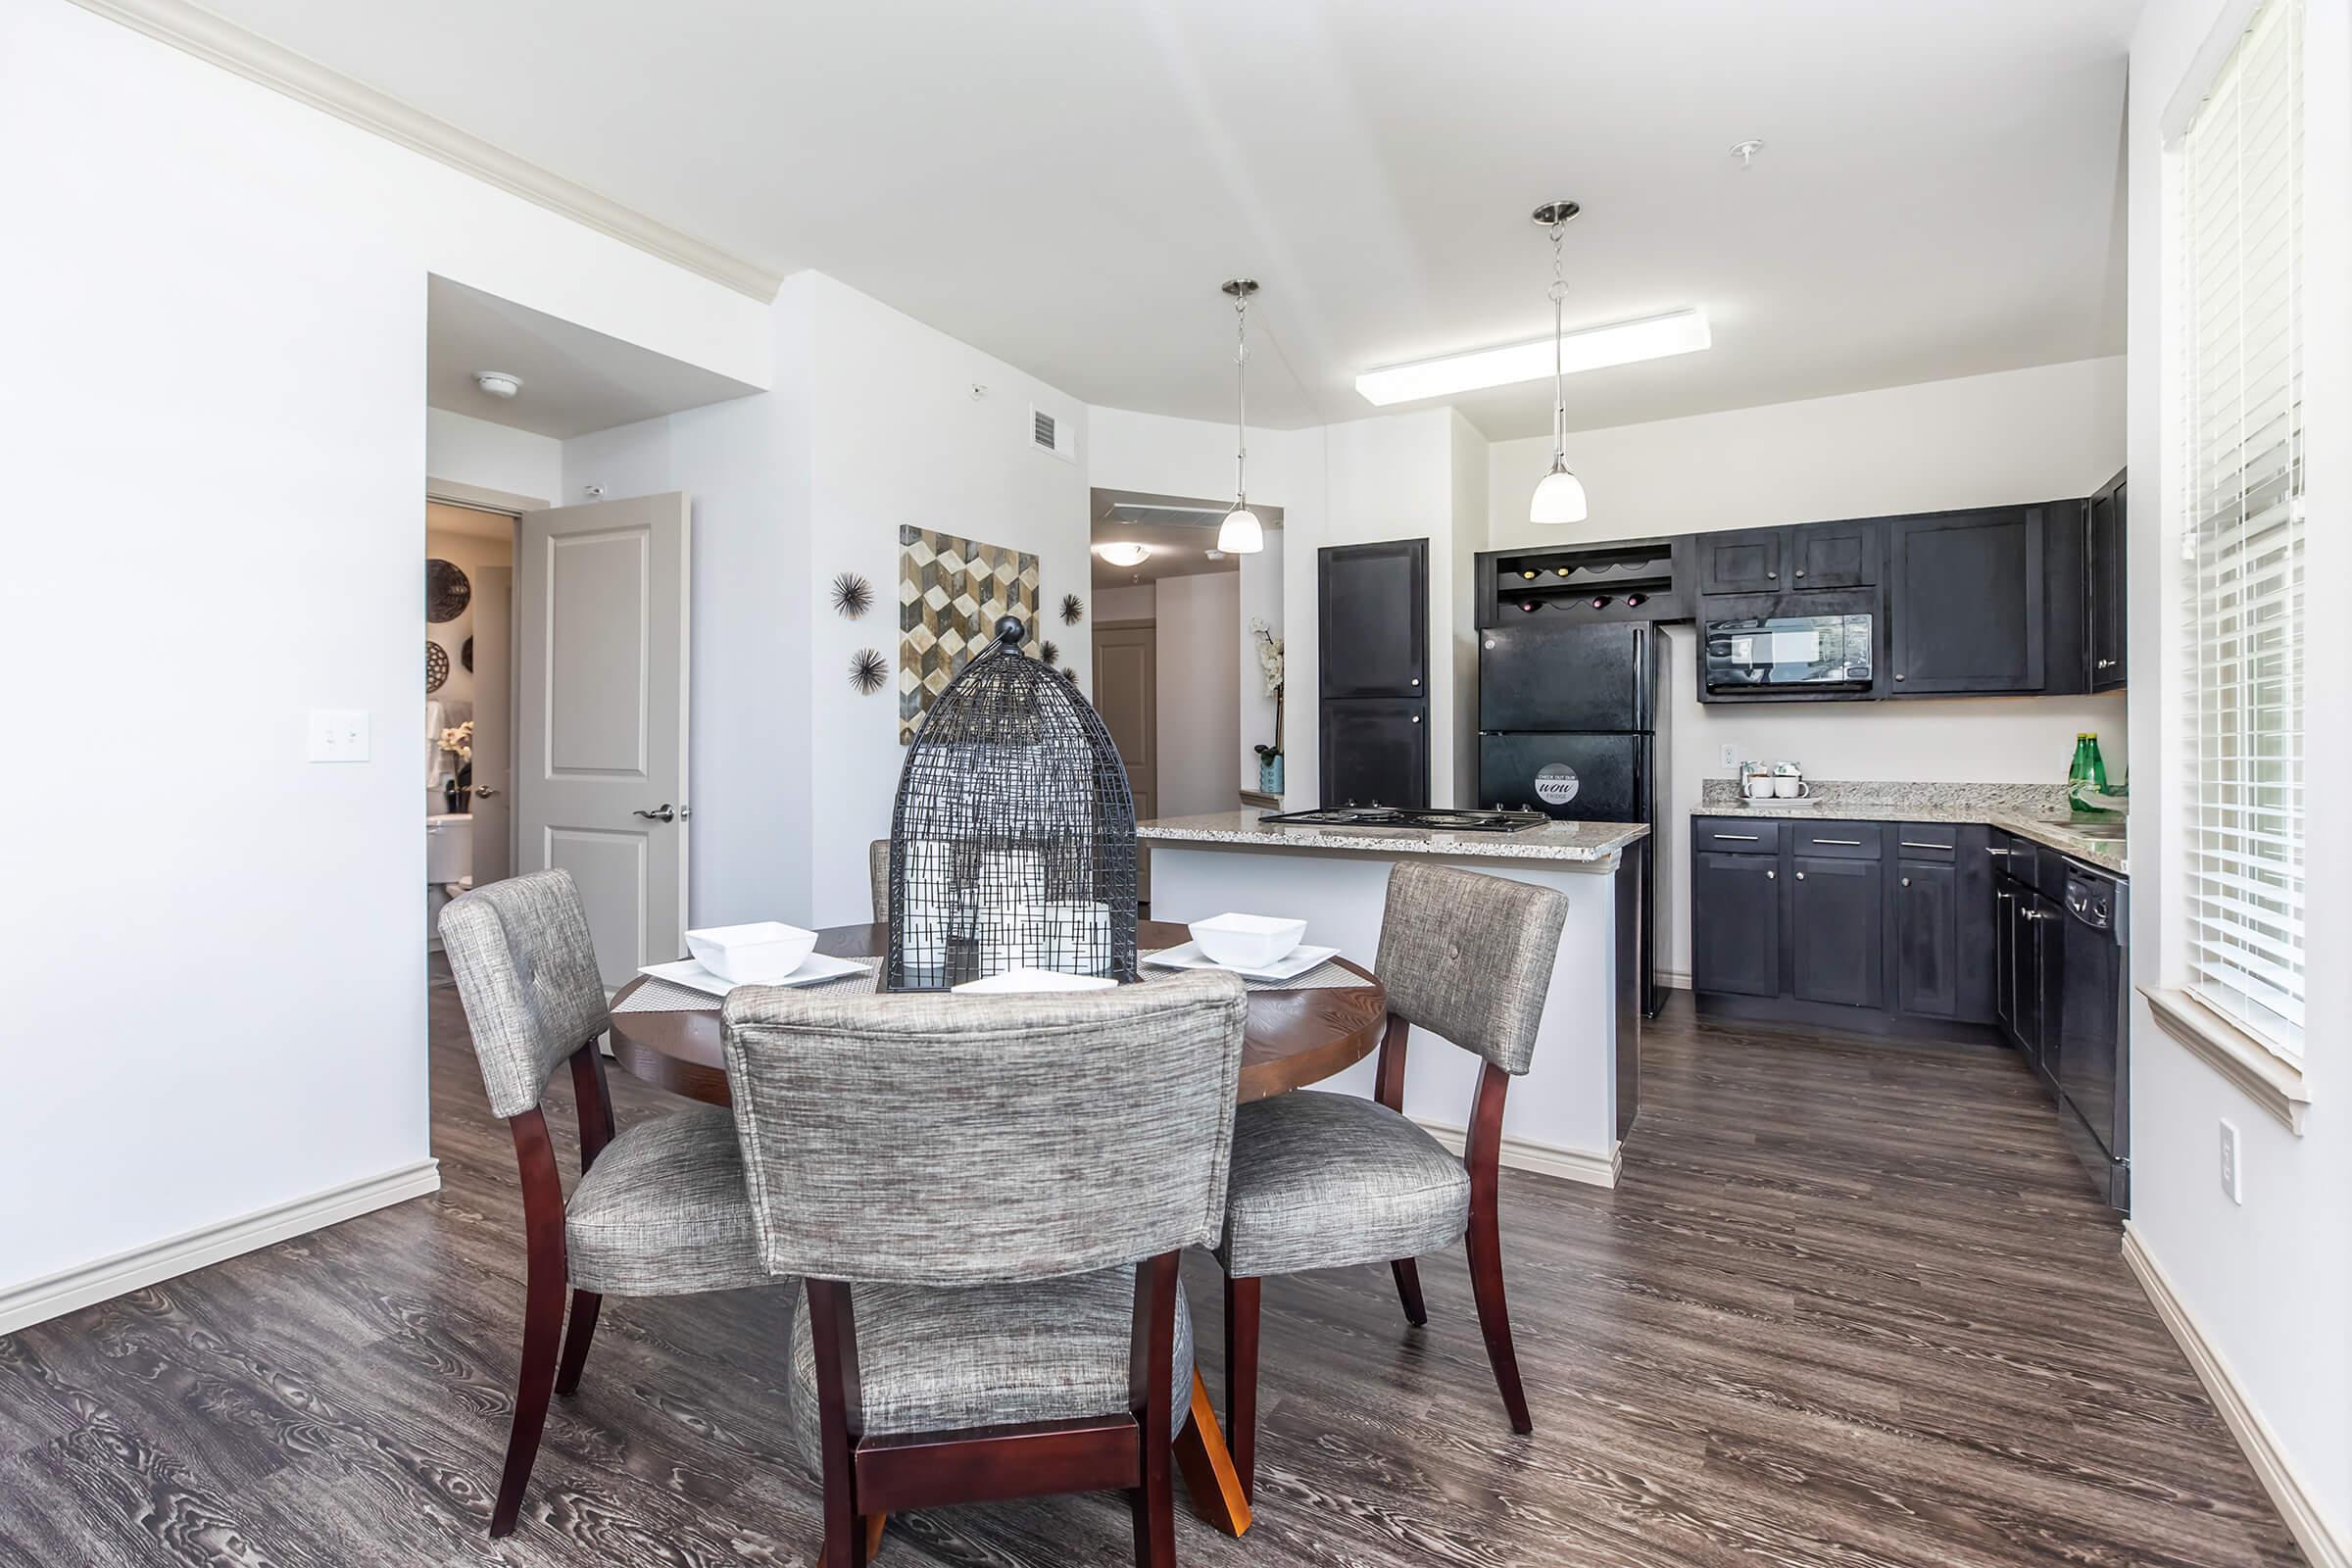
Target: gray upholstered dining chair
1329,1180
987,1197
660,1210
877,871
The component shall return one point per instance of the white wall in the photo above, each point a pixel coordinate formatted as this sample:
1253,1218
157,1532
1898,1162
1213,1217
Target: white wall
2269,1283
2023,436
493,457
1199,617
1133,602
216,365
871,427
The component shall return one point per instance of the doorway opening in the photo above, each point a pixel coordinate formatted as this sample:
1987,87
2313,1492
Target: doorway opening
469,702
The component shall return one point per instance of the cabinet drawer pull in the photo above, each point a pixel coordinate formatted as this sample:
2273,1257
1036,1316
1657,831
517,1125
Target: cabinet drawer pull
1914,844
1851,844
1996,852
2004,897
1740,838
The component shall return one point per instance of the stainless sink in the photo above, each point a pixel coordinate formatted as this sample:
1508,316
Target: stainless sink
2098,828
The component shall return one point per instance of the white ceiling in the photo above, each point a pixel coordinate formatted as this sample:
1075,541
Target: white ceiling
1064,186
573,381
1180,540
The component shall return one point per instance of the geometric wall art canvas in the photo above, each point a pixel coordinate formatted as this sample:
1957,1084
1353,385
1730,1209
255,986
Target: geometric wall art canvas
951,593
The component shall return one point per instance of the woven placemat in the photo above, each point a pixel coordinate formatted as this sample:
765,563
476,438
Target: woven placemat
663,996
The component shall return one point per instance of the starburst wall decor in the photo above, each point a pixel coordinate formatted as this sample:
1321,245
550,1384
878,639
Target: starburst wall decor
1072,607
853,596
868,671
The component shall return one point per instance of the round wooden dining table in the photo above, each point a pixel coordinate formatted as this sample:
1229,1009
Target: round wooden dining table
1289,1039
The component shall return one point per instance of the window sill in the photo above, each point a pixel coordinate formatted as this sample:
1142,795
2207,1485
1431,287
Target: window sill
2265,1077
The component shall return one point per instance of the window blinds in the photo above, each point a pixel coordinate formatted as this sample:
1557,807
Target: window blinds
2241,205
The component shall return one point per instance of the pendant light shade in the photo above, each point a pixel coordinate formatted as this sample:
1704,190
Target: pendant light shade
1240,533
1560,498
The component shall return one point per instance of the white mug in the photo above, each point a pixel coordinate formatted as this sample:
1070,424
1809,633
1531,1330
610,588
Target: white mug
1758,786
1789,789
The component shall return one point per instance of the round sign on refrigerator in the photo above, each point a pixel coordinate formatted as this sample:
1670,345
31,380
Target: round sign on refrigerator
1555,784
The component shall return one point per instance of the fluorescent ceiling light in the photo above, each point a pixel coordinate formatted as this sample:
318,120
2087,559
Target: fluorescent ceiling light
1653,337
1125,553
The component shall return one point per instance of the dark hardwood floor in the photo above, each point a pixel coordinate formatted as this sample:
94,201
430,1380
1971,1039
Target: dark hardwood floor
1852,1306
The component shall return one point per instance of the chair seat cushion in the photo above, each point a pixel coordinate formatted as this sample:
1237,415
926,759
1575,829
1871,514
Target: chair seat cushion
663,1211
934,1359
1324,1181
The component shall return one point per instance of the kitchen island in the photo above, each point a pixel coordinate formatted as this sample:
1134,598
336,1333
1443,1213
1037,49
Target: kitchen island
1568,1116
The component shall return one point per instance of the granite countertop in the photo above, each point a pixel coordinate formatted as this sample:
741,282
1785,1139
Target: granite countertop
1587,842
2024,810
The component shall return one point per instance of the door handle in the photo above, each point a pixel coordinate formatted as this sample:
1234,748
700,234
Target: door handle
2004,898
485,791
2104,663
1416,680
660,813
1416,718
1774,876
1800,876
1906,881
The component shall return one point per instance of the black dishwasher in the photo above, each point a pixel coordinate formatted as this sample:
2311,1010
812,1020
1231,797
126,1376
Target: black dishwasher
2089,990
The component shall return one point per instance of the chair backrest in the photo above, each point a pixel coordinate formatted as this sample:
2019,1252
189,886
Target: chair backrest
952,1140
526,970
877,870
1469,958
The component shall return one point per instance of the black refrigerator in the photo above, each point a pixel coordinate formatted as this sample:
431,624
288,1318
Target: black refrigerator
1567,724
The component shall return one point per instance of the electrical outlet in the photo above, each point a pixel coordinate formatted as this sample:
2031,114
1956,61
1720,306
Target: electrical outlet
2230,1167
1729,761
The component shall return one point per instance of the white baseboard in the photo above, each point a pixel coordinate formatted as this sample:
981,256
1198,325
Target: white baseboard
1671,979
2322,1542
38,1301
1544,1159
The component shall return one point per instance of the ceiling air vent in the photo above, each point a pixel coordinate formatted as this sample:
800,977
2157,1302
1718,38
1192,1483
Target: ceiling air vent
1048,434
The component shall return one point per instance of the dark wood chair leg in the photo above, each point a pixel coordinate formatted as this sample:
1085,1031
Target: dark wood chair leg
1408,1290
542,1317
1150,1367
1241,1381
839,1420
1483,1154
577,1334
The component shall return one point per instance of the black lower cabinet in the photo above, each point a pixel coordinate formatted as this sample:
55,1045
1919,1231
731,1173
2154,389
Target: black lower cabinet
1877,927
1736,948
1375,752
1834,923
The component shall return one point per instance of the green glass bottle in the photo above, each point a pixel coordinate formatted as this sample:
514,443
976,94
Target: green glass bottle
2094,770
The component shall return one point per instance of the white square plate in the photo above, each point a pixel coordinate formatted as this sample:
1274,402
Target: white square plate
814,968
1287,967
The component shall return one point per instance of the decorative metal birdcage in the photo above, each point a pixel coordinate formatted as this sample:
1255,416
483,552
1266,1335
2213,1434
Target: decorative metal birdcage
1013,842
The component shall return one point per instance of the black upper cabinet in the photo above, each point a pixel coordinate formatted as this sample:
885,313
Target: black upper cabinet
2104,552
1375,752
1835,932
1834,555
1736,946
1744,563
1966,601
1375,620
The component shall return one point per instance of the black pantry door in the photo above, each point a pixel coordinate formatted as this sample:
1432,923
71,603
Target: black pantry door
1372,627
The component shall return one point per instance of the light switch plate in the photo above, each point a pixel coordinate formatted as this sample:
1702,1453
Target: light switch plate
2233,1175
339,734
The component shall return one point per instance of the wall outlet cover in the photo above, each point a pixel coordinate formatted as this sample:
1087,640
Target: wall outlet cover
1729,761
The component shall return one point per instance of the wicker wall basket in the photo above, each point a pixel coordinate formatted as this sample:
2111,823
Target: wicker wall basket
1013,842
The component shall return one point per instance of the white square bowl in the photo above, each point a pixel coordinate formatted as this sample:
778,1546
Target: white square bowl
759,954
1246,941
1015,981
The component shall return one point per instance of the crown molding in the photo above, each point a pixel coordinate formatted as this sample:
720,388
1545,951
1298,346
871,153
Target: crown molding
221,42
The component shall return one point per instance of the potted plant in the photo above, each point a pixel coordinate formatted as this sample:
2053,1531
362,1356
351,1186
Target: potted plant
1269,670
459,742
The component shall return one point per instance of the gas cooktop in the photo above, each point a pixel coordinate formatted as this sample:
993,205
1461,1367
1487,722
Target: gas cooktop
1437,820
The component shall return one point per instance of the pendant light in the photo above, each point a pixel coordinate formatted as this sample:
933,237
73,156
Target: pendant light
1560,498
1240,533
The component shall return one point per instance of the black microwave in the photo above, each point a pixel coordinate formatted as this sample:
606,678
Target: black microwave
1765,653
